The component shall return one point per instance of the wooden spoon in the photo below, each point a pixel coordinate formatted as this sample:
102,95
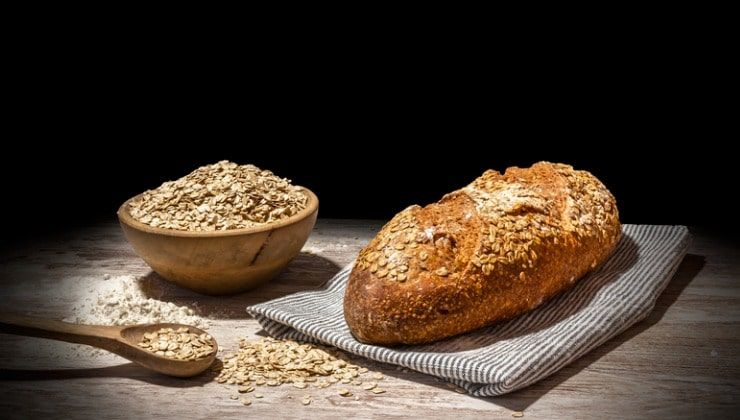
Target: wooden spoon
121,340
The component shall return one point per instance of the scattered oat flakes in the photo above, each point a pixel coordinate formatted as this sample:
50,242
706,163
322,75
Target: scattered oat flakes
306,400
456,388
378,391
246,401
275,362
517,414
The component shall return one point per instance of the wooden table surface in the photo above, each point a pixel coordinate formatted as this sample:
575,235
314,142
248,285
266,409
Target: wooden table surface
683,361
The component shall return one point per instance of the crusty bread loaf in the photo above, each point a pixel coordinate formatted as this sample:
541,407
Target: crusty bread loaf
499,247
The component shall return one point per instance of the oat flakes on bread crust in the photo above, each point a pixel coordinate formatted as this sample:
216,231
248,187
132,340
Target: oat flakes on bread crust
492,250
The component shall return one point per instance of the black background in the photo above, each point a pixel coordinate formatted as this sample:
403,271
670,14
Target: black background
82,135
63,186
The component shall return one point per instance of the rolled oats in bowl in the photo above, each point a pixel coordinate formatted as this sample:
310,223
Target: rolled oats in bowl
224,228
221,196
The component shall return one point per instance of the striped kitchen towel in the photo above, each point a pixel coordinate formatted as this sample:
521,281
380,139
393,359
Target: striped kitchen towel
511,355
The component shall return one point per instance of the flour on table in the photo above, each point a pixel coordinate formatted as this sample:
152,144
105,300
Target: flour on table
312,250
120,301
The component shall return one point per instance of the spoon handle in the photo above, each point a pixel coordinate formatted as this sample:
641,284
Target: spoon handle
93,335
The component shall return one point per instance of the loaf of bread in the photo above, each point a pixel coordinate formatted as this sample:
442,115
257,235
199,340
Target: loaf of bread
493,250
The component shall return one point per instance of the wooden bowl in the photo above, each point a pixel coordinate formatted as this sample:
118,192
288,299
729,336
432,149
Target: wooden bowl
220,262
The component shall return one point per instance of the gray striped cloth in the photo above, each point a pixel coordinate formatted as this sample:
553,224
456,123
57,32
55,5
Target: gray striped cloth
511,355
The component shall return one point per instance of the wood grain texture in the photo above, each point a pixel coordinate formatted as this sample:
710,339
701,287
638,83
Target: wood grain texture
682,361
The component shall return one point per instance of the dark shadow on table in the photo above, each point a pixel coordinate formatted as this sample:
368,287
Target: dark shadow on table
523,398
125,370
305,272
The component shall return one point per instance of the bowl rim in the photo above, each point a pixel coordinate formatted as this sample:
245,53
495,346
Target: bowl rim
124,216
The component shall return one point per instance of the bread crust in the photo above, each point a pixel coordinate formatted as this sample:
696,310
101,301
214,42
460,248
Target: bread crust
490,251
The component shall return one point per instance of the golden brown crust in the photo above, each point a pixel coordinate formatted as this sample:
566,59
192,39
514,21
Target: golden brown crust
497,248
